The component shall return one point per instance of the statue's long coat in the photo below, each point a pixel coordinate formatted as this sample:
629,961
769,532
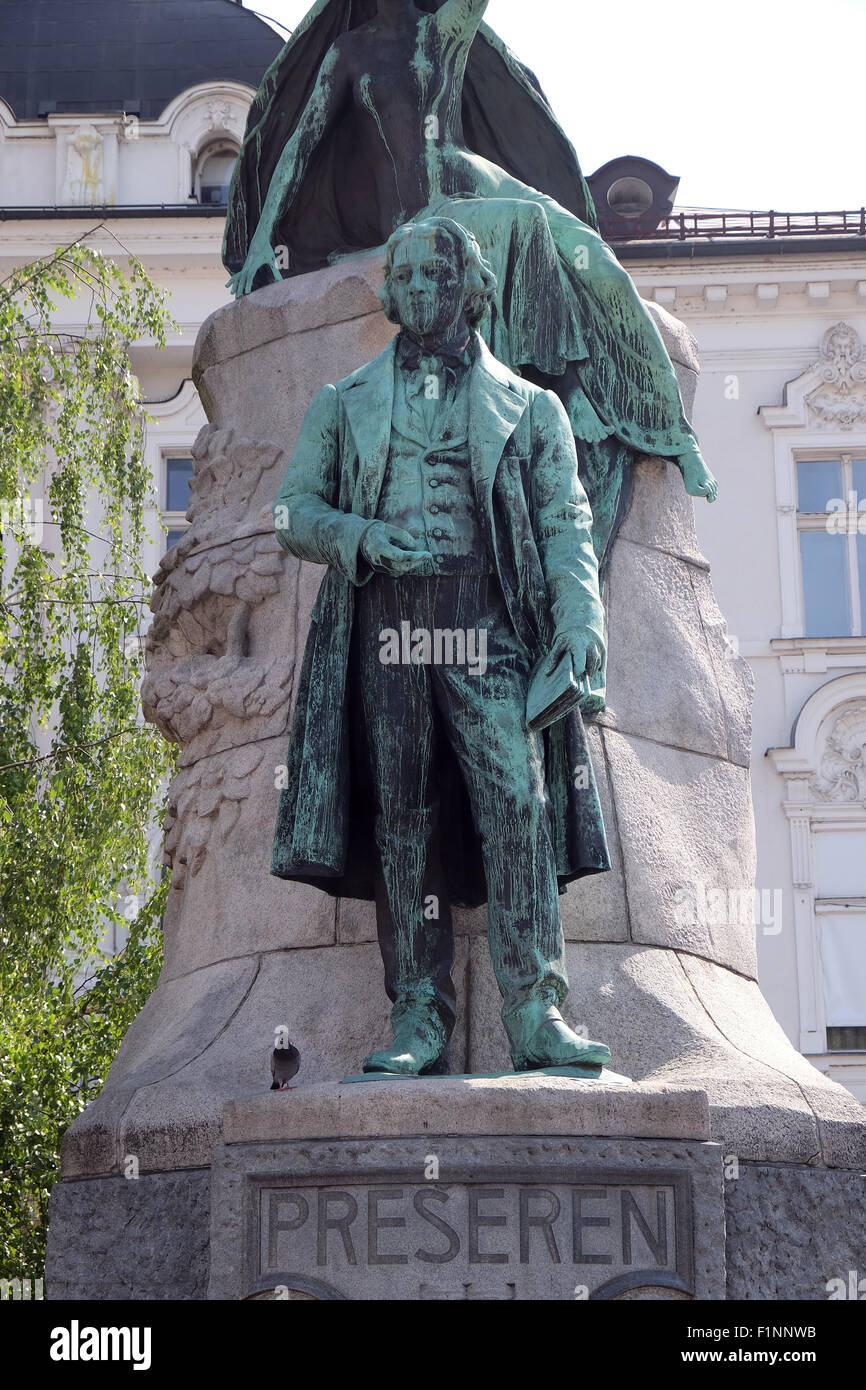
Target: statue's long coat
537,524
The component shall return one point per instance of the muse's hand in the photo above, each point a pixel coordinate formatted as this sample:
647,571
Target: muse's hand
259,257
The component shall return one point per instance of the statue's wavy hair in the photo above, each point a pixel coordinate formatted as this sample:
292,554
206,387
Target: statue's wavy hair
479,282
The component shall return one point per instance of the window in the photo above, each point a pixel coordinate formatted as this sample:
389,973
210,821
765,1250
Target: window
630,197
831,526
842,940
846,1039
177,476
214,174
840,913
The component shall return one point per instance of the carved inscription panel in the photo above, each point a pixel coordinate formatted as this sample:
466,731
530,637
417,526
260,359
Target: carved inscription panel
491,1240
475,1217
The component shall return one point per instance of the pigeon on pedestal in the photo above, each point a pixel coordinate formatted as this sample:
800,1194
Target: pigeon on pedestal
284,1065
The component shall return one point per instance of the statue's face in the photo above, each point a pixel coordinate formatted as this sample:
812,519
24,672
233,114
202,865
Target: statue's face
427,283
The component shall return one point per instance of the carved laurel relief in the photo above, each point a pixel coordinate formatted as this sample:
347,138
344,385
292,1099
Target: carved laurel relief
218,656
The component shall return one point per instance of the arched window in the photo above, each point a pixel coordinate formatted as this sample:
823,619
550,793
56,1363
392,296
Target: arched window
214,173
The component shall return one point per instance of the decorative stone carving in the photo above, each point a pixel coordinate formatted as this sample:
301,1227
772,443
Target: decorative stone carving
228,470
83,183
193,698
839,403
204,808
842,773
220,115
216,676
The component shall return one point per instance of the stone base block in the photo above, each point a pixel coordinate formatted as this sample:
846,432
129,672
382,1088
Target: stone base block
542,1188
130,1238
796,1232
486,1217
531,1104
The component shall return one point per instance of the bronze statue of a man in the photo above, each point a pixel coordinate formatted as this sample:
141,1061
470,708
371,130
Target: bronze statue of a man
442,492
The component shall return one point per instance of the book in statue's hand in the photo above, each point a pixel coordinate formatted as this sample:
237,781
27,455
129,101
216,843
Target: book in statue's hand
553,693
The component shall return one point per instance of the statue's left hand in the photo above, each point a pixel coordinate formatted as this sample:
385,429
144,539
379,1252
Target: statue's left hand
582,646
259,257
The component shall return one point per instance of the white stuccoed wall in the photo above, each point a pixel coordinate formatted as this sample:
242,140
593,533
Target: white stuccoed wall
762,320
131,162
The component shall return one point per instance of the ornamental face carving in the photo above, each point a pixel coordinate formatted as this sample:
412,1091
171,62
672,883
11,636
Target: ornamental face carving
220,115
839,403
842,772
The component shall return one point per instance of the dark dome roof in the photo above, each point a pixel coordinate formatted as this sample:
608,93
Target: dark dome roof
133,55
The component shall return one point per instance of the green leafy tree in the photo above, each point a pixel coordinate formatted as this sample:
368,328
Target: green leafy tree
81,777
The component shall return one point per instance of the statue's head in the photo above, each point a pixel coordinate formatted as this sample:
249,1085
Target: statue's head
434,274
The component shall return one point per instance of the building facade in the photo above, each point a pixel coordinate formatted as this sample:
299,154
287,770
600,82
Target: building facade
125,128
781,412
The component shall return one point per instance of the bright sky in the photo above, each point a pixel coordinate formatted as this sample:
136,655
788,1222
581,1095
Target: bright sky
754,103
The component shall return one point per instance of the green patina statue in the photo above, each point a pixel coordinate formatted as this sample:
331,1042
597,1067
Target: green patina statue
442,492
381,110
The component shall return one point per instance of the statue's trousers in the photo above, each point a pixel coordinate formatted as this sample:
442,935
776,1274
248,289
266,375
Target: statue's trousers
478,705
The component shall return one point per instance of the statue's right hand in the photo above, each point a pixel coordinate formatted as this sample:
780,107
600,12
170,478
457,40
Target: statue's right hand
391,550
259,257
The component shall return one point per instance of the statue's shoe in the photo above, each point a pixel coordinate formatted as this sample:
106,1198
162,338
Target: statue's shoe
420,1047
545,1040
